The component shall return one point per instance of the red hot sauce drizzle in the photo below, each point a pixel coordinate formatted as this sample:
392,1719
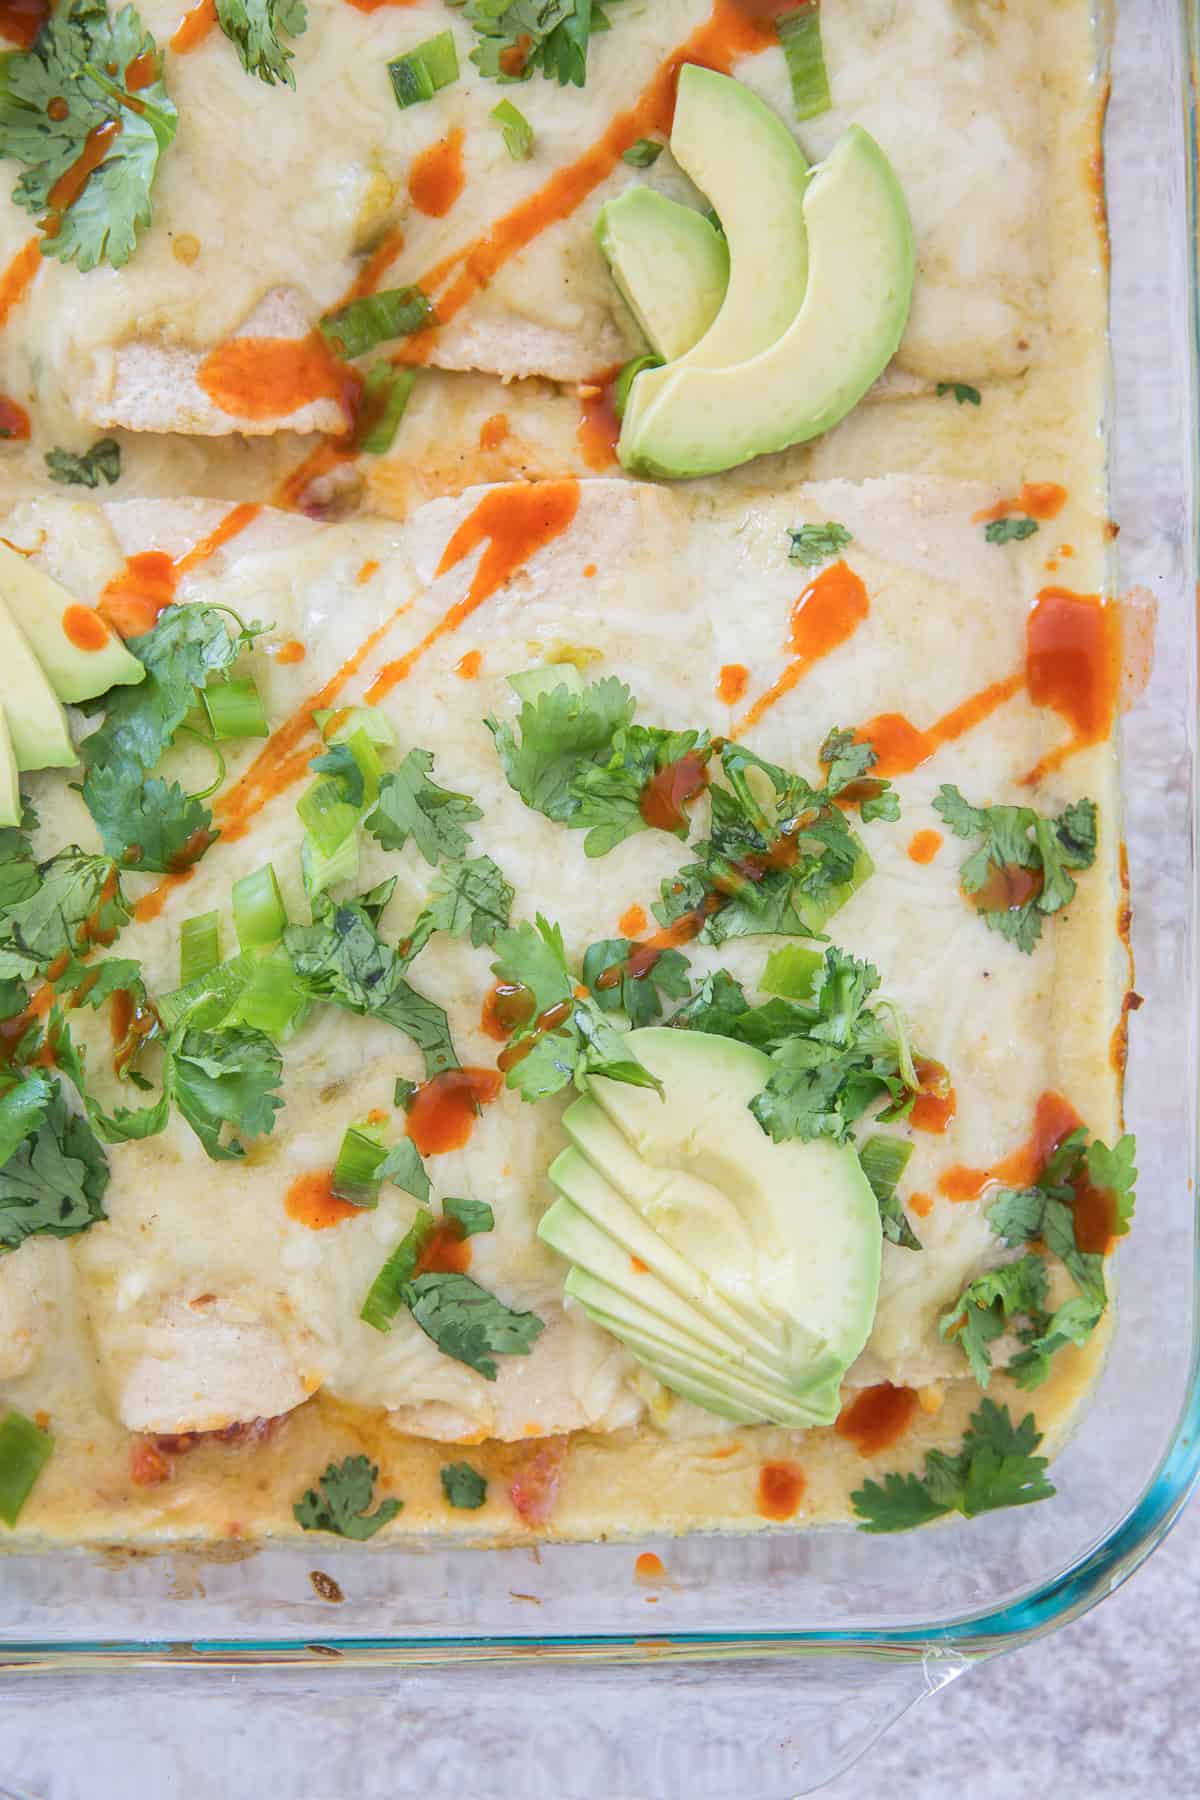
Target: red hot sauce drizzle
877,1417
442,1112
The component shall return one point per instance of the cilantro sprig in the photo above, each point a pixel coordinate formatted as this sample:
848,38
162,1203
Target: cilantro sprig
1016,838
54,1173
62,94
340,1500
815,544
256,28
995,1467
637,990
86,468
518,36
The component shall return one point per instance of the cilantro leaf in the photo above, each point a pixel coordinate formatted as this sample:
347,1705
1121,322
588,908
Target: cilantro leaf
718,1003
346,1490
78,900
103,459
555,734
518,36
224,1078
1018,906
469,1324
54,97
55,1174
1072,1323
148,825
411,805
635,984
473,1215
470,899
963,392
995,1467
1009,531
254,27
815,544
403,1167
464,1486
1114,1169
987,1304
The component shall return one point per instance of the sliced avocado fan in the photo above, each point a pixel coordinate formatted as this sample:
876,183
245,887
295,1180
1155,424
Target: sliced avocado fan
742,1273
80,655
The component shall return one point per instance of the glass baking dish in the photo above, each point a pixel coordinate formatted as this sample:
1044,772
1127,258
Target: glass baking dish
765,1663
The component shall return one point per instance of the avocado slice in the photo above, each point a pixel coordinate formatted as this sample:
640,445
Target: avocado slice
757,1264
743,157
670,263
81,655
700,418
36,721
10,792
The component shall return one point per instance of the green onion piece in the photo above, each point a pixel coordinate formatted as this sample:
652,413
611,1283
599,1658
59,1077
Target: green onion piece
386,1295
800,36
420,72
271,999
205,1001
199,946
643,153
235,709
258,909
358,326
790,972
884,1160
329,818
338,723
362,748
321,871
24,1452
385,397
356,1171
625,378
515,129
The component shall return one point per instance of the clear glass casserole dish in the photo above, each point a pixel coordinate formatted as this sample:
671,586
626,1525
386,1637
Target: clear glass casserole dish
559,1660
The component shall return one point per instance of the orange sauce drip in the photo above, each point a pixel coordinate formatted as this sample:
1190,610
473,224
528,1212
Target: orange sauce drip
370,6
148,1467
141,71
1036,500
921,1204
1073,664
1054,1119
546,1022
638,1266
14,420
445,1251
437,177
442,1112
1006,887
633,921
291,652
133,600
235,521
72,181
732,683
780,1490
936,1104
18,276
467,667
649,1568
267,378
194,27
599,427
923,846
369,568
506,1007
311,1201
121,1014
84,628
670,790
827,613
902,747
878,1416
493,431
21,20
515,522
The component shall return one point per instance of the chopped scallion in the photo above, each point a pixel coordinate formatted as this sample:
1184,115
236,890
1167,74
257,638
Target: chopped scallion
328,816
386,1297
884,1160
356,1171
515,129
24,1452
800,36
420,72
235,709
790,972
258,910
199,946
643,153
320,871
385,398
205,1001
373,319
625,379
271,999
338,723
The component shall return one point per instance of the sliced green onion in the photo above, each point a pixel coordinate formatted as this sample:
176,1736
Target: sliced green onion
328,816
358,326
235,709
884,1160
338,723
386,1295
356,1171
363,749
800,36
209,744
643,153
199,946
320,871
515,129
625,378
24,1452
530,684
420,72
385,397
205,1001
271,998
790,972
258,910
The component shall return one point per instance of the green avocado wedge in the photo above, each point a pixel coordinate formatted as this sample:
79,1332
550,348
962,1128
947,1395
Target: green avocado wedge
670,264
702,419
10,793
37,723
79,667
743,1273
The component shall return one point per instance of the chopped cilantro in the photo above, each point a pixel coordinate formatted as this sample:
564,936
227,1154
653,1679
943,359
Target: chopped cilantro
716,1006
637,992
518,36
987,1305
464,1486
53,97
963,392
1055,847
814,544
403,1167
469,1324
1009,531
642,154
77,901
995,1467
103,459
346,1490
224,1078
256,28
473,1215
411,805
54,1173
149,825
